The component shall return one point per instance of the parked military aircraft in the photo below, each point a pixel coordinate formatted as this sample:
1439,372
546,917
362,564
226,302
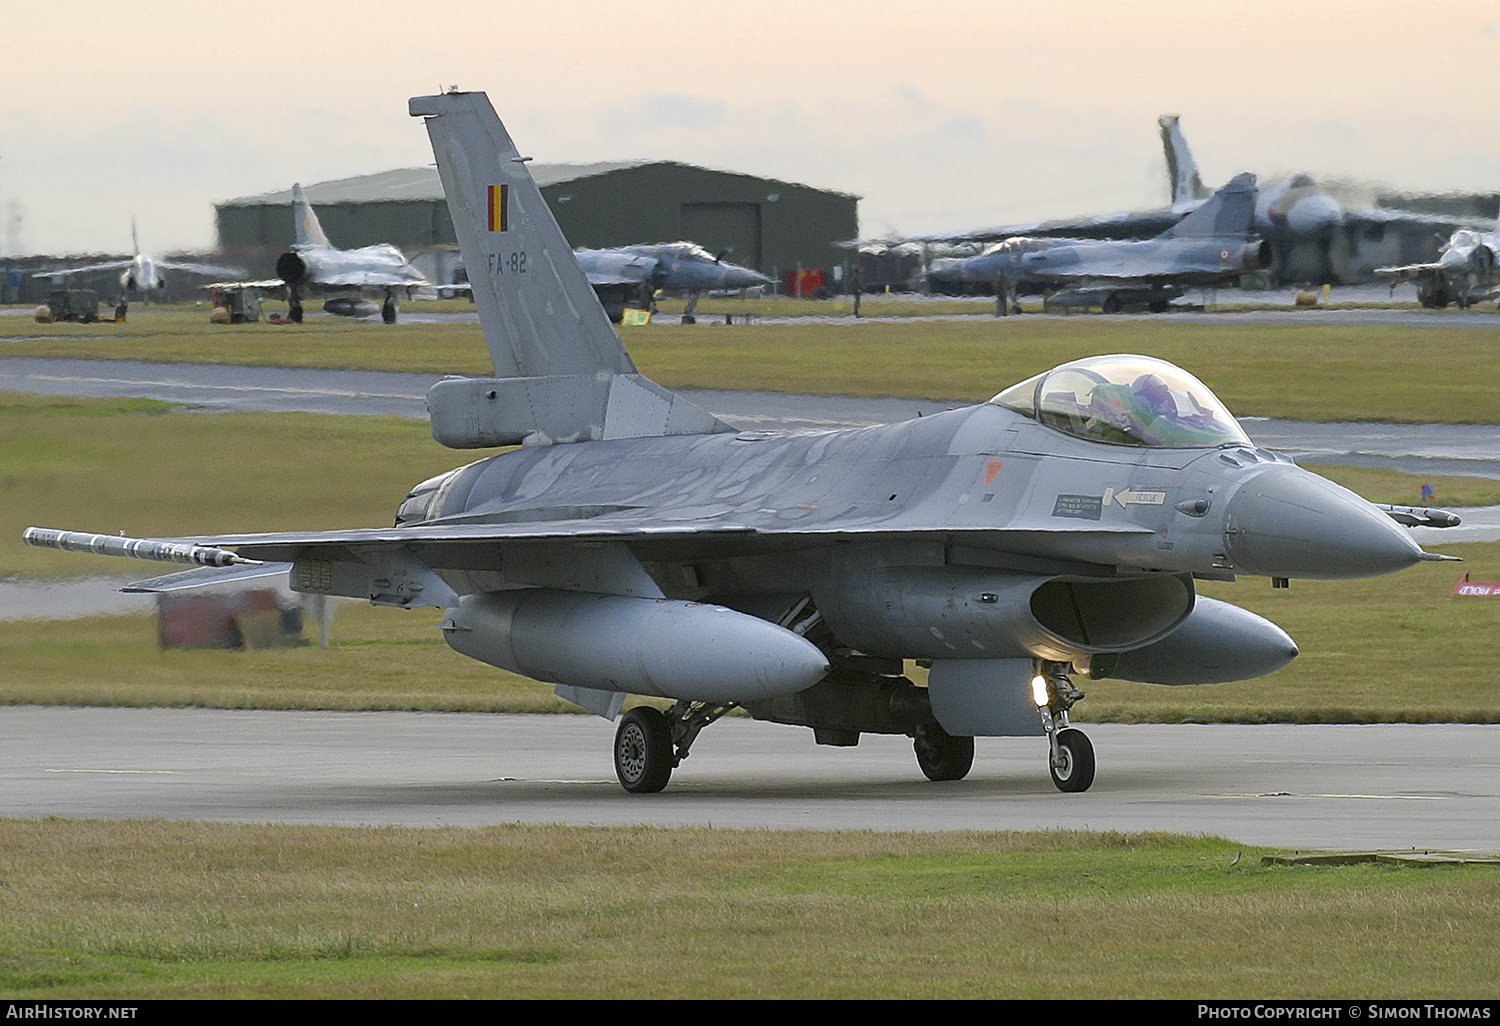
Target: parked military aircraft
636,273
350,281
1314,236
634,544
142,274
1210,246
1463,273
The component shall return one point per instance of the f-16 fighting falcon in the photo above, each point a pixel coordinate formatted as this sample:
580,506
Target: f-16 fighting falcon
1464,272
633,544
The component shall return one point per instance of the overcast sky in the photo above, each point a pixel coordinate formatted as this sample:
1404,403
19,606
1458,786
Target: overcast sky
942,116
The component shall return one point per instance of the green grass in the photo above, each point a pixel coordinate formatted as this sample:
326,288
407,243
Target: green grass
141,910
1306,371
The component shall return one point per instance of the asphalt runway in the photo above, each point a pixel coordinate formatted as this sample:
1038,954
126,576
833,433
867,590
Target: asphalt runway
1387,786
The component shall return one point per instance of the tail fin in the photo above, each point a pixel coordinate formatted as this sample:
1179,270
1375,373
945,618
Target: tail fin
309,231
562,372
1228,213
135,243
1182,170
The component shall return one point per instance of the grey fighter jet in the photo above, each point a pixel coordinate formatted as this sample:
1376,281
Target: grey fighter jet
633,274
1463,273
634,544
1210,246
349,281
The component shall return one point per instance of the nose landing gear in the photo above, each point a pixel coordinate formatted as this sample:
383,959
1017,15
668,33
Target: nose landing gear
1071,752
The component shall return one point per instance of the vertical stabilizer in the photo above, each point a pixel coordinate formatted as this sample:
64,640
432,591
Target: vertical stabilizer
540,314
309,231
561,372
1227,214
1182,170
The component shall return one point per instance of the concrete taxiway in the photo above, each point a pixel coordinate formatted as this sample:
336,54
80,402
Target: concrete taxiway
1394,786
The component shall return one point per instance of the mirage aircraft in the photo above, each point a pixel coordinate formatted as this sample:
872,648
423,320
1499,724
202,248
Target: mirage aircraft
349,281
142,275
633,544
633,274
1210,246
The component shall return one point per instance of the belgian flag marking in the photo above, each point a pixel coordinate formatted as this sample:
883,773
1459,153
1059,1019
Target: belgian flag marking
499,208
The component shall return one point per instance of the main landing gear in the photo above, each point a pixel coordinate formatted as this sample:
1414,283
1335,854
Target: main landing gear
650,744
1071,752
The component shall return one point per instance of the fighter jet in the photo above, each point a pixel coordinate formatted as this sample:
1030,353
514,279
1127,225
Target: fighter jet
1463,273
350,281
633,544
142,275
1314,236
633,274
1210,246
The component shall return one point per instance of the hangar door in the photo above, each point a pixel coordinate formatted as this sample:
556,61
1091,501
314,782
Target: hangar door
720,226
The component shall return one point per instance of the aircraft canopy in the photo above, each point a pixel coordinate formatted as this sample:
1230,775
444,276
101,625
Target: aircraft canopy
1126,400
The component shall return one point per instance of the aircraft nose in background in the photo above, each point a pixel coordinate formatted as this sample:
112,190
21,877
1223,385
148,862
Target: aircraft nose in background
737,277
1286,522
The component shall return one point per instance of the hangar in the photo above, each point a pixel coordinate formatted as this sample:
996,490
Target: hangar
772,226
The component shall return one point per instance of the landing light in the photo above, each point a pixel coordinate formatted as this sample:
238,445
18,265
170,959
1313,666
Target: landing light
1039,691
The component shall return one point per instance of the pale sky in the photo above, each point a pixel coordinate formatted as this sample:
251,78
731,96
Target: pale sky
944,116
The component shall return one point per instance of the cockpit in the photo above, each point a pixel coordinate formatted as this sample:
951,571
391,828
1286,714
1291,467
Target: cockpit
1126,400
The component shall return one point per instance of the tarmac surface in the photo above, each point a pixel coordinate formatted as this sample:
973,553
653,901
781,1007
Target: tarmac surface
1387,786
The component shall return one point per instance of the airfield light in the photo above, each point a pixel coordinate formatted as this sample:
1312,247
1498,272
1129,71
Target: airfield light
1039,691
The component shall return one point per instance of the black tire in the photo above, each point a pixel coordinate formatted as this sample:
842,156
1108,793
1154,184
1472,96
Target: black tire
1077,751
1111,304
294,313
643,751
941,755
388,312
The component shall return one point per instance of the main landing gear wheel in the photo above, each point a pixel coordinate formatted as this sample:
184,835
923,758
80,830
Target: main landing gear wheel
388,311
643,751
941,755
1073,769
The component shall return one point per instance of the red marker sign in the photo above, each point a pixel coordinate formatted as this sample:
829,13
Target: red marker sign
1481,588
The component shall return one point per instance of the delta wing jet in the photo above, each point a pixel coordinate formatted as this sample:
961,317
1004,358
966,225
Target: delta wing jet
1210,246
1463,273
636,273
633,544
349,281
142,275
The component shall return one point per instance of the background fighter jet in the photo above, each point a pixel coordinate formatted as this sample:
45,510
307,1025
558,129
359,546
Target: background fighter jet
1210,246
634,544
350,281
1463,273
1314,236
636,273
142,275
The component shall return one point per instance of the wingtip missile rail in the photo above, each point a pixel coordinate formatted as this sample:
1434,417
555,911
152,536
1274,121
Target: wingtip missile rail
136,548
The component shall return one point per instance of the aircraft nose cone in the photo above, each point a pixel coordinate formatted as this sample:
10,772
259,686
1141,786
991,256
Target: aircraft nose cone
1287,522
743,278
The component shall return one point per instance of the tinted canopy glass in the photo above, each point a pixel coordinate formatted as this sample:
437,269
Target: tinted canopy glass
1126,400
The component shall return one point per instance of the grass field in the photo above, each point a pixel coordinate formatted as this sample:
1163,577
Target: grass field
140,910
1306,371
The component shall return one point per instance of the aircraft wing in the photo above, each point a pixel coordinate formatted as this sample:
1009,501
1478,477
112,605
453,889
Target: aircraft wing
372,279
233,272
1124,224
113,265
1405,271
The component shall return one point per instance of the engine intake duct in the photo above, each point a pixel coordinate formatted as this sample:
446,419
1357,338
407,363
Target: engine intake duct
969,613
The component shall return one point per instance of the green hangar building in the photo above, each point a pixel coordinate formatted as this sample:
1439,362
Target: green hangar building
775,227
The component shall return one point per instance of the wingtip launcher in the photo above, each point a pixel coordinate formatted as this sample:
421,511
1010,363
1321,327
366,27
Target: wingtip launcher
136,548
